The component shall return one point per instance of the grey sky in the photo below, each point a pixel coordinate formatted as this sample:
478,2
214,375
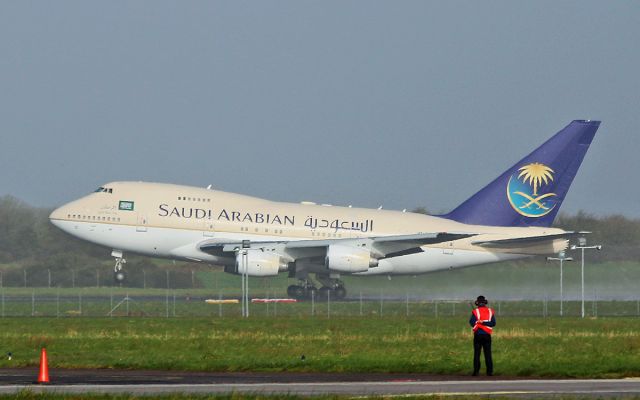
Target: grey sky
402,104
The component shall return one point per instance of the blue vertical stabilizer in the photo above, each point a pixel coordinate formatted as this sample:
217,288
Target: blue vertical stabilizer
530,193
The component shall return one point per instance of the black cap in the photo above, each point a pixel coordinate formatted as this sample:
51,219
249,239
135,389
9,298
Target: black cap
481,300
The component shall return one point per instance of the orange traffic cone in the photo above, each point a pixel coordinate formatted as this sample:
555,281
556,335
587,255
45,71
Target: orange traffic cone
43,376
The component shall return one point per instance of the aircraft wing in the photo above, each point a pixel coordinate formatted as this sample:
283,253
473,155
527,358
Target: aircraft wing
394,246
527,241
382,246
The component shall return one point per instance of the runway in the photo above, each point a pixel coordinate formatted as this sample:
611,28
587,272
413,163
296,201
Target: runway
158,382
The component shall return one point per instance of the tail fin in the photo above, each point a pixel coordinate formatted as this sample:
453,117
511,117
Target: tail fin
530,192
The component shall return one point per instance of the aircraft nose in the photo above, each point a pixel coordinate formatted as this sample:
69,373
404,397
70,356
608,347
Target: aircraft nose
58,215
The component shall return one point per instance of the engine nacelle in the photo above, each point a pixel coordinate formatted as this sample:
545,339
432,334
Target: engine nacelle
349,259
260,263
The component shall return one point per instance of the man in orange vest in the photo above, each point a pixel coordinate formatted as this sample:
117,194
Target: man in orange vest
482,320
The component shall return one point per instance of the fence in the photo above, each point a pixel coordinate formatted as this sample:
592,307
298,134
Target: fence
114,302
101,277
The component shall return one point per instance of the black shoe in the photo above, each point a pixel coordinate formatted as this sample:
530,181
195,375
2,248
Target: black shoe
489,373
474,374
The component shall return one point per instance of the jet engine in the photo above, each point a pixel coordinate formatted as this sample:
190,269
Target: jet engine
259,263
349,259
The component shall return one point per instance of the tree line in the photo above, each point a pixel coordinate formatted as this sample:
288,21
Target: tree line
35,253
32,248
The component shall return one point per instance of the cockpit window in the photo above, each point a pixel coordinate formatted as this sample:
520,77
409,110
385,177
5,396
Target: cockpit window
104,189
100,189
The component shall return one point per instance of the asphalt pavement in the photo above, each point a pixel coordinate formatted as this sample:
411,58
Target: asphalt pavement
157,382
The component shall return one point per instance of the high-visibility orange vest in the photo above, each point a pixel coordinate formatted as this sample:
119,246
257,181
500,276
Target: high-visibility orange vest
483,314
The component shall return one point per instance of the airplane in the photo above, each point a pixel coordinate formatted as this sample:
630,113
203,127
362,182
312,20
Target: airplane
508,219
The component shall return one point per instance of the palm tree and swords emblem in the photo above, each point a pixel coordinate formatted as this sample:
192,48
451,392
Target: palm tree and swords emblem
523,190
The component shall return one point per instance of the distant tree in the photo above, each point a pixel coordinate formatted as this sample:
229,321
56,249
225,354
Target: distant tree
29,242
619,235
17,234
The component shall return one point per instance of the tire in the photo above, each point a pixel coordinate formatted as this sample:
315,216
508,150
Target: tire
312,292
324,293
297,292
291,291
340,292
120,276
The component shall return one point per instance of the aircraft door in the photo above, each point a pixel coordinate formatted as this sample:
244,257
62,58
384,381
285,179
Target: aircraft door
208,228
142,223
448,248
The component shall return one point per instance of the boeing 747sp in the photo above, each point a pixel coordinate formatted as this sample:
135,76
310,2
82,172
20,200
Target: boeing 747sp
508,219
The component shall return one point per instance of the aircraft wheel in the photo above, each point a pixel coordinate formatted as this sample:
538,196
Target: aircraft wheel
292,290
312,293
295,291
325,293
340,292
119,276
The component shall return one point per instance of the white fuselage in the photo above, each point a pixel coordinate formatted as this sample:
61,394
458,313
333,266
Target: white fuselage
171,221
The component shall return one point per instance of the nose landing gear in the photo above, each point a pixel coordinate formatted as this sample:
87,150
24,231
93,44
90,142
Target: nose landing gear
119,274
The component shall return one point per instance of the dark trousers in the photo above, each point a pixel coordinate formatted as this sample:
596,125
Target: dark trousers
482,342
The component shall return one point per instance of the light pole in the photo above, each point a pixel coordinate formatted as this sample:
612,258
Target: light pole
561,257
246,245
582,245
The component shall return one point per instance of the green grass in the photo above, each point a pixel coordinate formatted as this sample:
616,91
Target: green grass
530,280
163,303
27,395
525,347
510,280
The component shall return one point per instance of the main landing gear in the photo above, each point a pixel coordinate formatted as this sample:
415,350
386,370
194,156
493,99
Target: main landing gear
332,289
119,274
303,291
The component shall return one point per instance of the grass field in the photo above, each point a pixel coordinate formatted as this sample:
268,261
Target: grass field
538,347
101,302
533,279
237,396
